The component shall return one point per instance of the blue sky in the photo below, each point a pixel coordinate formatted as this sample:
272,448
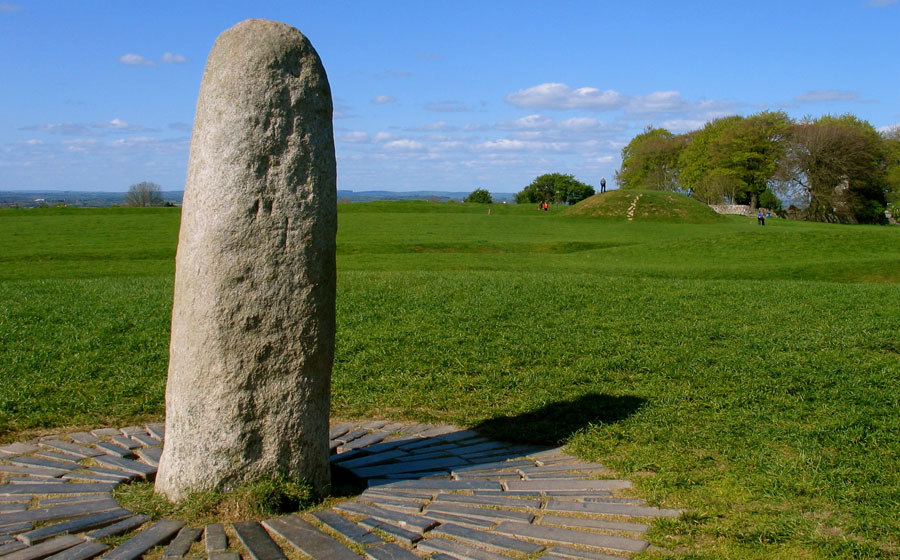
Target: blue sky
434,95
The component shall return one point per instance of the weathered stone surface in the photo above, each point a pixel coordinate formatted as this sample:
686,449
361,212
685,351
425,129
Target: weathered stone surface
157,430
44,549
252,338
399,533
126,465
589,523
85,523
479,513
412,522
559,552
490,540
146,440
612,509
457,550
113,449
83,551
81,451
149,455
309,540
571,536
580,485
224,556
125,442
257,541
41,472
159,533
55,513
100,432
46,463
349,530
182,542
389,552
17,449
394,503
214,538
501,501
117,528
84,437
14,528
9,508
436,484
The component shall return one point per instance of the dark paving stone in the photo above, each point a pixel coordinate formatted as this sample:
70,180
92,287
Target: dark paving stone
44,549
157,430
457,550
131,430
495,515
182,542
471,522
89,477
491,540
41,472
415,429
83,551
393,503
589,523
509,494
389,445
11,547
370,460
568,552
493,466
368,439
149,455
389,552
378,491
44,502
339,430
309,540
57,456
399,533
605,500
119,528
15,528
374,424
32,480
488,501
224,556
126,465
55,513
86,523
159,533
101,432
214,538
349,530
84,437
10,508
113,449
257,542
412,522
611,509
437,484
18,449
570,536
554,485
146,440
82,451
46,463
418,475
352,435
111,472
498,476
448,433
577,494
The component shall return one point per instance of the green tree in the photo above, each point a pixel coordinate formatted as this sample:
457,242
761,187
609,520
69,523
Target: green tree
650,161
144,194
555,187
840,166
480,196
892,168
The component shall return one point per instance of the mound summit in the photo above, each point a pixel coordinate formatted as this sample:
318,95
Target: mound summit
643,205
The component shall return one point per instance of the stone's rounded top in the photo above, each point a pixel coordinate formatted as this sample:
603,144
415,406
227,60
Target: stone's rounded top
260,39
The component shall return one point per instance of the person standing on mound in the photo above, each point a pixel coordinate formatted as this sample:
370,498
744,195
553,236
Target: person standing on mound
602,184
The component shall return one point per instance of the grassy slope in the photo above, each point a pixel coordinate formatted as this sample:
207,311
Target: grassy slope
655,206
747,373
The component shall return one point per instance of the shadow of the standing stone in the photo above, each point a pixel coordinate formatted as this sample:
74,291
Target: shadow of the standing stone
554,423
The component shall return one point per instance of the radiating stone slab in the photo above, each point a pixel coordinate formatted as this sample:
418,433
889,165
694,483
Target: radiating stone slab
14,528
55,513
39,462
224,556
85,523
81,476
590,523
125,442
611,509
9,547
257,542
493,466
17,449
103,432
413,522
558,552
10,508
501,501
113,449
379,491
146,440
349,530
41,472
457,550
149,455
366,440
580,485
505,544
340,429
84,437
157,430
214,538
464,520
75,449
44,549
479,513
159,533
389,551
83,551
182,542
399,533
309,540
396,504
370,460
46,502
119,528
436,484
570,536
126,465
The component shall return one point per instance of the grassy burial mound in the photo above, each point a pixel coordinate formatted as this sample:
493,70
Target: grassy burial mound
640,205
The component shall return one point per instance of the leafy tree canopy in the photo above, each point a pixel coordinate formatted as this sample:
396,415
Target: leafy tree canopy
480,196
555,187
650,161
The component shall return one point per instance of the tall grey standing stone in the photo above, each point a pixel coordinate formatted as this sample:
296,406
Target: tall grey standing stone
252,341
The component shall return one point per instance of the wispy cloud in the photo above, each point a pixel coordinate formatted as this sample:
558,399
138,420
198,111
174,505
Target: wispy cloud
446,107
561,96
394,74
172,58
826,95
132,59
383,99
87,130
7,7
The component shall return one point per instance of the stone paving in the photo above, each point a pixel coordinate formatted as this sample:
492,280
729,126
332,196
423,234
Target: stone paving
431,491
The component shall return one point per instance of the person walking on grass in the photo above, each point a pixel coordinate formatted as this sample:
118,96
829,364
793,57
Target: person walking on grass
760,218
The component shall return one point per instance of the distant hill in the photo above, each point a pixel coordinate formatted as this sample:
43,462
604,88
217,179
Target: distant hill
35,198
641,205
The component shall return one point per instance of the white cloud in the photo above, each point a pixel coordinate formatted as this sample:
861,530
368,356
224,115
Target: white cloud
657,102
384,136
354,137
382,99
405,145
825,95
135,60
683,125
561,96
172,58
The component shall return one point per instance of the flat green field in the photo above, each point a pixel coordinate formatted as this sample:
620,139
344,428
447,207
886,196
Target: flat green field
749,374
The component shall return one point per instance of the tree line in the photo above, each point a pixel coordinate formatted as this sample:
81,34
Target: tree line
837,168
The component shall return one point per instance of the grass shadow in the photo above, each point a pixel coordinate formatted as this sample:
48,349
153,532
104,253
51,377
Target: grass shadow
554,423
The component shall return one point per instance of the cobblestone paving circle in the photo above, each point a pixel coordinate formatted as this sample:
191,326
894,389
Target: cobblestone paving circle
432,491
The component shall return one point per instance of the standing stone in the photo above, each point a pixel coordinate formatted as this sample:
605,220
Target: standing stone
252,344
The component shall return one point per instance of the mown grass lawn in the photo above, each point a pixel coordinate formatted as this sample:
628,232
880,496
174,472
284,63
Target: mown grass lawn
746,373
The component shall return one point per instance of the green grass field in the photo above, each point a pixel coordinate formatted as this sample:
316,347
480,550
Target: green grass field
746,373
